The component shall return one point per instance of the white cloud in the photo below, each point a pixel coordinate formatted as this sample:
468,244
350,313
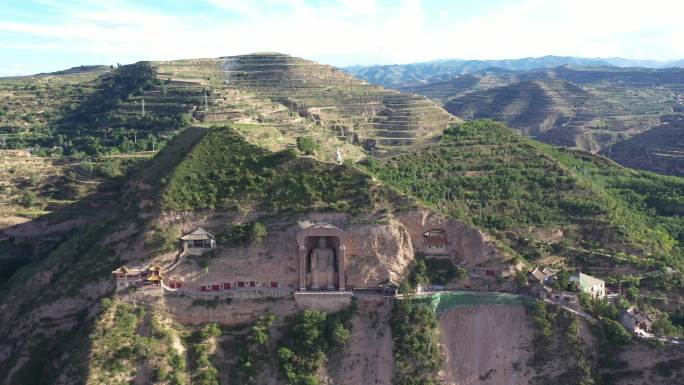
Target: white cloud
346,32
578,27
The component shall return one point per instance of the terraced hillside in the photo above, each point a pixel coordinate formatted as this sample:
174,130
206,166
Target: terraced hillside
131,109
138,107
671,78
566,113
30,105
93,110
357,111
660,149
452,87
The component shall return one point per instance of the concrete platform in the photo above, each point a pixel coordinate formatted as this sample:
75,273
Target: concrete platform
323,300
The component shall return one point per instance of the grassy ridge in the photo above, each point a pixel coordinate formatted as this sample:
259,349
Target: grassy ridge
483,172
224,171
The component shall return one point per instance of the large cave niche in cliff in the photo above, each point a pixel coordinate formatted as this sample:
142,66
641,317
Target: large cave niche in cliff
319,240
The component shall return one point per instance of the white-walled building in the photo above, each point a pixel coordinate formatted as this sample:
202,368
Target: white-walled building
595,287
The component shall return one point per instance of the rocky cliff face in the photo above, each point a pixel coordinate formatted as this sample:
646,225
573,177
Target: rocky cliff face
466,244
379,248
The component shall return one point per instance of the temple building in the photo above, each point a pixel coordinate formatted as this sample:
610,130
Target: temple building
198,242
435,243
137,276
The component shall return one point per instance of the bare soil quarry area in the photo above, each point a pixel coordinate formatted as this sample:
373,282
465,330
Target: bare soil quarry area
498,340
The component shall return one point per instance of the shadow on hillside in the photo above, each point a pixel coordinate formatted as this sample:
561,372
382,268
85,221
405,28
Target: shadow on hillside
35,239
51,299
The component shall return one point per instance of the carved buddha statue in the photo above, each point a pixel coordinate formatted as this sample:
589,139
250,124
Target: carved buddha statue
322,266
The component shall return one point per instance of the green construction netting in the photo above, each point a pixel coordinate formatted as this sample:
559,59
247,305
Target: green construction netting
442,302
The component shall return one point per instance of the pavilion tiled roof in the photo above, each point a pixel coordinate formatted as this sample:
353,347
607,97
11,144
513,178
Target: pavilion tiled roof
197,235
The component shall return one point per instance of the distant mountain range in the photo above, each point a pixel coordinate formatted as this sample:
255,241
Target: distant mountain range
629,110
406,74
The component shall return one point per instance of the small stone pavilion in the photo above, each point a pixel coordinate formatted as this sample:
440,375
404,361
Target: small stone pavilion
321,255
198,241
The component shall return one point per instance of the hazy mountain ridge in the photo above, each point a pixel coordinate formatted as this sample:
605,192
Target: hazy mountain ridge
394,75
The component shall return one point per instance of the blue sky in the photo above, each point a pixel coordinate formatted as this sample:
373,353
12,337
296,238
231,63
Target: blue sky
48,35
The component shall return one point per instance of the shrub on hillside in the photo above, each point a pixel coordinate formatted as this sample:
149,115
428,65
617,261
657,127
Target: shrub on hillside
257,232
615,334
242,233
28,199
483,172
224,171
307,145
664,327
313,335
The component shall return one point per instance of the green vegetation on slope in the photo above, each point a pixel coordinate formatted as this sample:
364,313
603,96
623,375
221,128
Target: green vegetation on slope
560,355
253,353
114,87
87,256
73,114
313,336
224,171
203,347
483,172
417,356
120,351
30,105
111,118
